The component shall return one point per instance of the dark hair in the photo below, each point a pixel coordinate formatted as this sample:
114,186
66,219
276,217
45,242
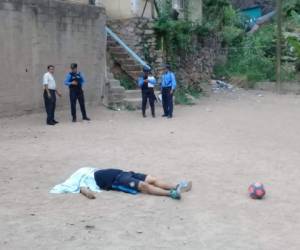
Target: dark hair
146,69
73,65
50,66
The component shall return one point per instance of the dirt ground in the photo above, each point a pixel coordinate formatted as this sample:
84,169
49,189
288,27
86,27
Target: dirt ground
222,144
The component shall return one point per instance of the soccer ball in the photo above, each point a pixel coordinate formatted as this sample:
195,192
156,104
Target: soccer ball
256,190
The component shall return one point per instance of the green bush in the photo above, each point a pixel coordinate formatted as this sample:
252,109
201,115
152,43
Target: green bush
290,6
181,98
253,56
126,82
230,33
181,95
174,36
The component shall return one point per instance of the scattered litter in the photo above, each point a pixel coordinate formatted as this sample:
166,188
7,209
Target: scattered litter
219,85
114,108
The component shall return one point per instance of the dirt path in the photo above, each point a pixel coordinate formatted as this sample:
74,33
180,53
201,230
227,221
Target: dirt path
223,144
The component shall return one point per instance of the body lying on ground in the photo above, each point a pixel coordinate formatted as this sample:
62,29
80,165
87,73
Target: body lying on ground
87,181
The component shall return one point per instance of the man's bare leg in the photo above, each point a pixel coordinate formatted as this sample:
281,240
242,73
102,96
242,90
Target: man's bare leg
147,188
87,193
158,183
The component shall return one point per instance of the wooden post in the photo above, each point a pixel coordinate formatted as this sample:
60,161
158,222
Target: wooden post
156,8
152,9
145,6
278,48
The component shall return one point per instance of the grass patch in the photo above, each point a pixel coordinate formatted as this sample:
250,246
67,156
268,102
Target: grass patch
182,95
127,82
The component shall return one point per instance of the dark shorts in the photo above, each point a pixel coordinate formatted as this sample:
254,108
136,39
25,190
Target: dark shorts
128,182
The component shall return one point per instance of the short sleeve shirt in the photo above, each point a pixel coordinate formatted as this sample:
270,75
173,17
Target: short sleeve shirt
48,79
105,177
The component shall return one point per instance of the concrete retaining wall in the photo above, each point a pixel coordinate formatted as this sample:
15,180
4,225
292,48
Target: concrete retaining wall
35,33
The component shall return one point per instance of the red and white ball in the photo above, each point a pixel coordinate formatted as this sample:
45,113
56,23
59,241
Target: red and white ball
256,190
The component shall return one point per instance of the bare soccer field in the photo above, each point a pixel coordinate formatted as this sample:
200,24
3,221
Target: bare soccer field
222,144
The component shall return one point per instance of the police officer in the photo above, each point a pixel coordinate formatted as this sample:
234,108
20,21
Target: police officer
75,80
168,86
147,82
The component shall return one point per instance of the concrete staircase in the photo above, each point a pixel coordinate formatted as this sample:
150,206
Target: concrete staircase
133,99
114,93
130,99
119,54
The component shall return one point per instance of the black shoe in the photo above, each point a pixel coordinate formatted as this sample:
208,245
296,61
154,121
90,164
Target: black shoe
164,115
50,123
153,115
86,119
144,115
74,120
55,122
170,116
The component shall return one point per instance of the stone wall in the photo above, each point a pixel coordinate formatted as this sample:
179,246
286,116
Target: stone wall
197,66
36,33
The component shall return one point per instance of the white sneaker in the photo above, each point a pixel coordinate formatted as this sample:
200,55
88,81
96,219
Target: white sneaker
184,186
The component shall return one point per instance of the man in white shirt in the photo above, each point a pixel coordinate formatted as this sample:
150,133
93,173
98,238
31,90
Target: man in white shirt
50,95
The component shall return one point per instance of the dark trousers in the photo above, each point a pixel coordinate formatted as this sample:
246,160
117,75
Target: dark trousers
167,101
148,94
77,94
50,104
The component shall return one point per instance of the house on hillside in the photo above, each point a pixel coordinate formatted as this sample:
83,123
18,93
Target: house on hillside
266,5
124,9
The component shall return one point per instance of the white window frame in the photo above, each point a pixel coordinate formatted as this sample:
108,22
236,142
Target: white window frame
178,4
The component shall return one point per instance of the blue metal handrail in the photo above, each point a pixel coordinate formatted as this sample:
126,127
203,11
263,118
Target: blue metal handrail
130,51
265,18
